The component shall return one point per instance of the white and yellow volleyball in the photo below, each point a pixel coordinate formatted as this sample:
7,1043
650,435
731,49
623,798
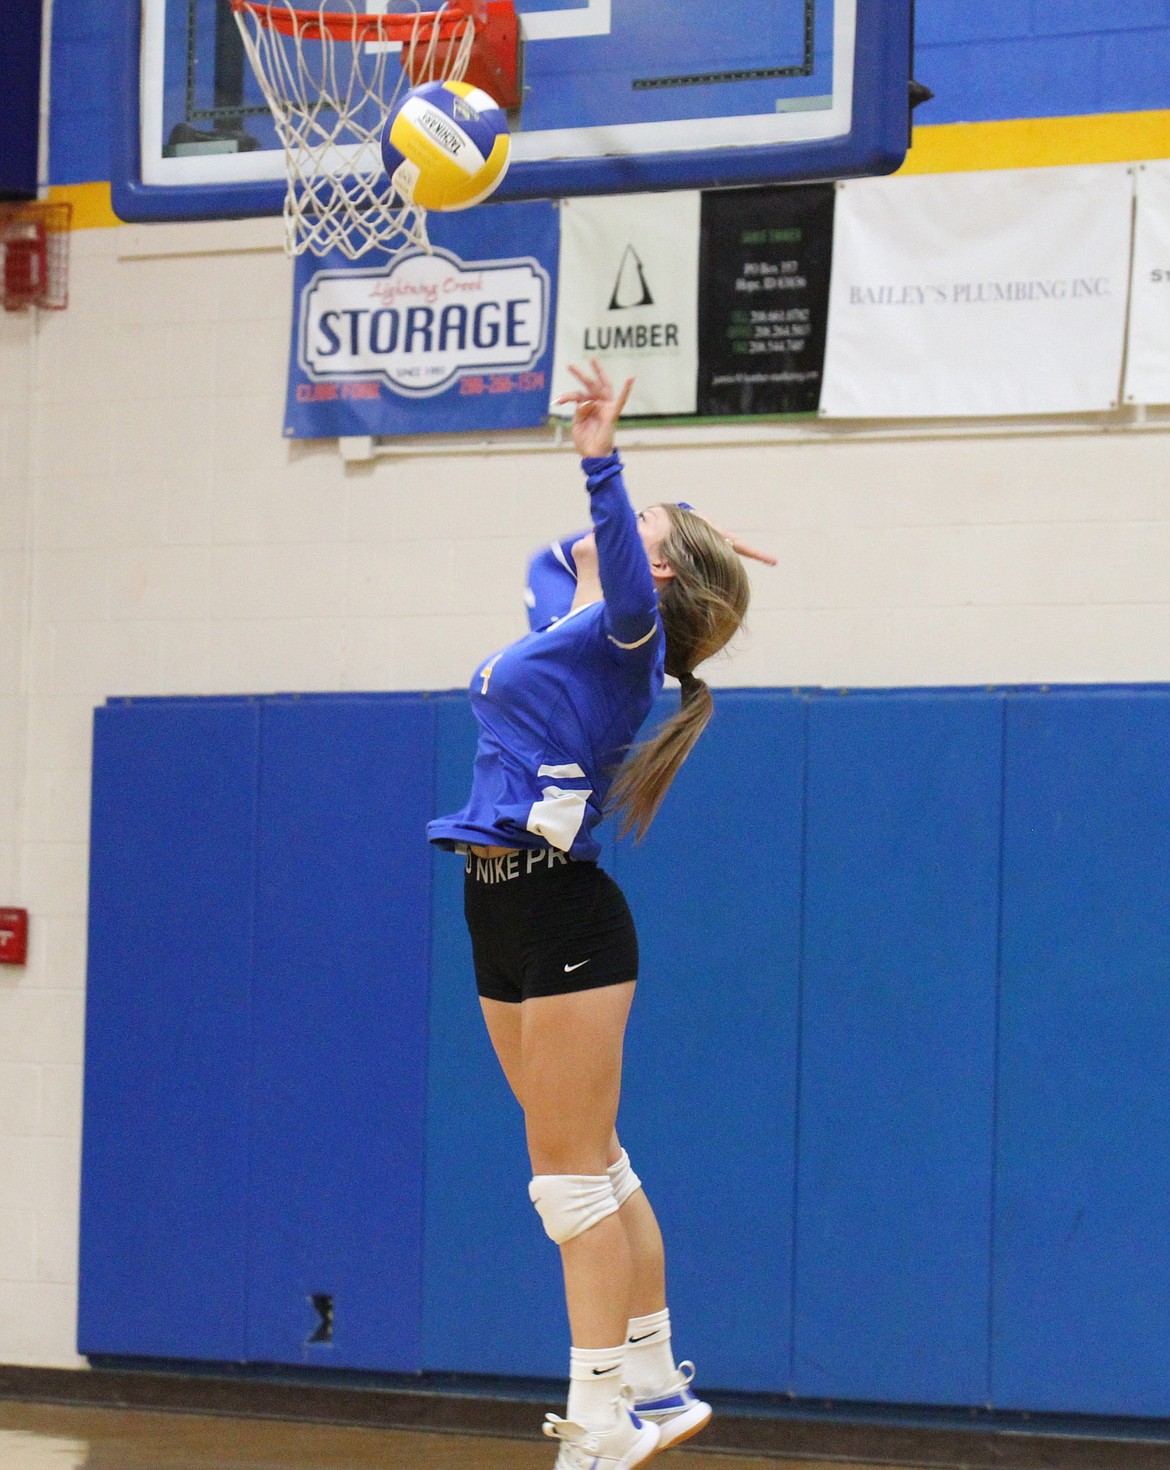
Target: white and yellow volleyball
446,145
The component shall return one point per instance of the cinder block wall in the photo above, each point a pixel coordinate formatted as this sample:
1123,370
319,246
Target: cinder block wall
157,535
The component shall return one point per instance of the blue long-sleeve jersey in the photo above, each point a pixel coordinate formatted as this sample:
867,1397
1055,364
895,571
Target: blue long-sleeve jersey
558,709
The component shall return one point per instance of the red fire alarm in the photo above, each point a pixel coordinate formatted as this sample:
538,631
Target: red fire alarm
13,936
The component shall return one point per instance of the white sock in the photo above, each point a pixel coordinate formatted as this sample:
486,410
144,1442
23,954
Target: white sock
595,1379
649,1360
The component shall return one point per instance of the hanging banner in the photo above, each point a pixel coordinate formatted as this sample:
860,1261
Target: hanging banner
419,343
992,294
764,298
1147,373
628,295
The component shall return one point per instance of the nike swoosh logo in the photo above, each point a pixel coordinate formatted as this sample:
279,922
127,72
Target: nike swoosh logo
644,1336
570,968
597,1372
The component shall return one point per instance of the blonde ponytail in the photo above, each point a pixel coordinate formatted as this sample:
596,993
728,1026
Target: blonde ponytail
703,607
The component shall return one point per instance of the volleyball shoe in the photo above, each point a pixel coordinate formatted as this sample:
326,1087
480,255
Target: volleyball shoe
675,1410
626,1443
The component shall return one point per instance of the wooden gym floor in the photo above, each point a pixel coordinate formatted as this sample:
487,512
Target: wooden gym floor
54,1419
55,1437
65,1437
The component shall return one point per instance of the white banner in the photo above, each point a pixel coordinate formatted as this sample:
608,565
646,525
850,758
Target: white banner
421,321
1147,374
994,294
628,294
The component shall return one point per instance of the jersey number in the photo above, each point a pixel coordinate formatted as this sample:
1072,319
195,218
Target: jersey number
486,672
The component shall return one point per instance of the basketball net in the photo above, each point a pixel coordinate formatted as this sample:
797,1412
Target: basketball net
330,77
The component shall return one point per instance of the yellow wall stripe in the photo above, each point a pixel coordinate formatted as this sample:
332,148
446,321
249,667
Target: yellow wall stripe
1030,142
92,209
1039,142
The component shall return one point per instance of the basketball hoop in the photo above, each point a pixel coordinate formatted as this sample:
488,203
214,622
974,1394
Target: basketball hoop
34,241
329,82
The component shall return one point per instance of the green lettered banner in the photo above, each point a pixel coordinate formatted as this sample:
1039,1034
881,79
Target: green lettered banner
764,299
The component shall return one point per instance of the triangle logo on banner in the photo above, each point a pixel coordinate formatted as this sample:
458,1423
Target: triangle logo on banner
630,288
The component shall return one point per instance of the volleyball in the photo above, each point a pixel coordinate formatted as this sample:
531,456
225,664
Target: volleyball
446,145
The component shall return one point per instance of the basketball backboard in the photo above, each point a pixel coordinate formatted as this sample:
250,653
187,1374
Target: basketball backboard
617,96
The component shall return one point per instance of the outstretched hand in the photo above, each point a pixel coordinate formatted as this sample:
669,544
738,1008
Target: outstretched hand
741,548
596,410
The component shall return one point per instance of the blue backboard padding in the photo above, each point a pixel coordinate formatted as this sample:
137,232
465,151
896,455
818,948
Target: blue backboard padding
339,1043
1082,1277
165,1147
493,1301
985,59
897,1048
709,1082
876,143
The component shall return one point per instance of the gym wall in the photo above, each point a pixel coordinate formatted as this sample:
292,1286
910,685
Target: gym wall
158,537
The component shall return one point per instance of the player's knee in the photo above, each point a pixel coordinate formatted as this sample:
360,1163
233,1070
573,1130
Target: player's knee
570,1204
625,1181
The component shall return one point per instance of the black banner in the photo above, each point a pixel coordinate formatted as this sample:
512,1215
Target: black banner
764,265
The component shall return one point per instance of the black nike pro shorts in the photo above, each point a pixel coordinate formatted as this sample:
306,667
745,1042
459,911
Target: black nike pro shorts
543,924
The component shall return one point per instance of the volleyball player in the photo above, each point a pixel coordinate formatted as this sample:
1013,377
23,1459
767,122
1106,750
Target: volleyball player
554,947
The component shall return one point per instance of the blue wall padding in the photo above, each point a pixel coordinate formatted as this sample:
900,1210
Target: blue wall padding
995,59
895,1075
1082,1275
20,115
709,1086
165,1150
82,81
959,22
492,1295
898,1047
992,80
339,1041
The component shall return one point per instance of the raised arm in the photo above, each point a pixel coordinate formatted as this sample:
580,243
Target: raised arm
631,599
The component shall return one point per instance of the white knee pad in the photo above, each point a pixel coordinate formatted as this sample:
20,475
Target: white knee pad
625,1181
570,1204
